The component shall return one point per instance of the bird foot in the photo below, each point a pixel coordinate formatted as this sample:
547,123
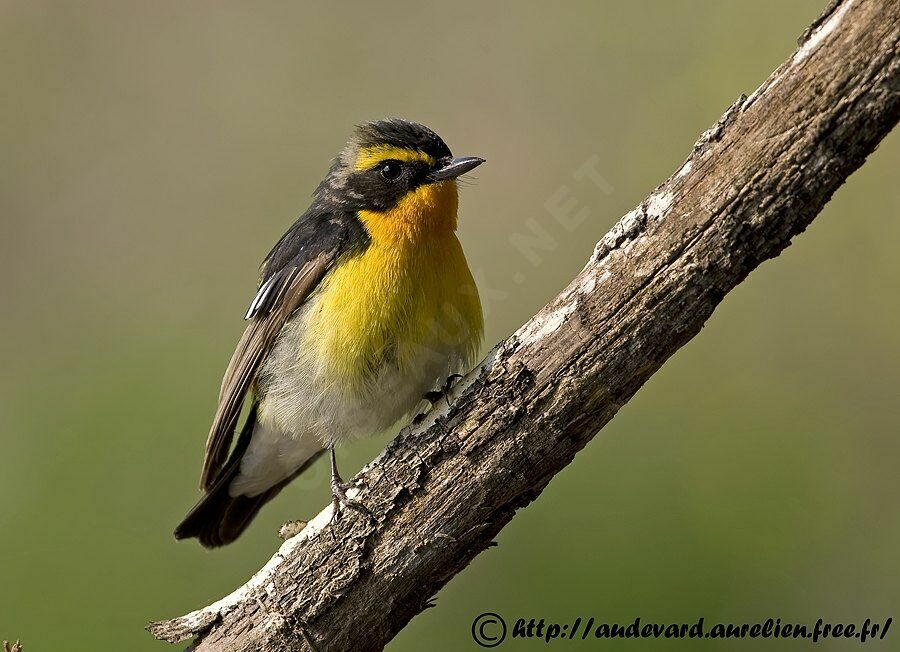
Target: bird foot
339,501
436,395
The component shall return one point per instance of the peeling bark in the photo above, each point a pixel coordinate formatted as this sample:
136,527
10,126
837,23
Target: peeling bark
443,489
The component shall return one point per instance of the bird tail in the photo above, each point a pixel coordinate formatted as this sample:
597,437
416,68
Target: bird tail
219,518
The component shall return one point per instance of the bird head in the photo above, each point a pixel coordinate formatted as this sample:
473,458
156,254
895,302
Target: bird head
400,178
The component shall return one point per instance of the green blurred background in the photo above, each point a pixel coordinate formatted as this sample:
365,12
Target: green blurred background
152,152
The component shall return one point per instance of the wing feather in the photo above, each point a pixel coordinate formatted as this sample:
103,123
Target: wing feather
273,305
292,270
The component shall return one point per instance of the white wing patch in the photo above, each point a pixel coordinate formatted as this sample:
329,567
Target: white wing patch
260,297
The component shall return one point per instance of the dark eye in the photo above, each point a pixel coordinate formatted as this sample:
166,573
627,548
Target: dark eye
390,170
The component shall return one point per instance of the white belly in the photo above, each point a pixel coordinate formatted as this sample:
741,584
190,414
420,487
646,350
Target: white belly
305,407
305,397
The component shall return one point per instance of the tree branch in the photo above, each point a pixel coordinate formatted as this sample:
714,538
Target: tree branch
443,490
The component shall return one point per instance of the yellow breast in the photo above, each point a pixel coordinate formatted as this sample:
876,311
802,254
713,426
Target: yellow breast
411,288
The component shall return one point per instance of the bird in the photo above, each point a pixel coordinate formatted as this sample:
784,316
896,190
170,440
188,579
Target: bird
364,306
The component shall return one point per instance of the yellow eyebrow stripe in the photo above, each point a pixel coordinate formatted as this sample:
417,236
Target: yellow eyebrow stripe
369,157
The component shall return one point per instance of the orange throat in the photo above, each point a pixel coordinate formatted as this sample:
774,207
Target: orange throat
410,288
427,210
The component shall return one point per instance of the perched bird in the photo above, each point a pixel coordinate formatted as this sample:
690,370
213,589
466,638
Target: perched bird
364,306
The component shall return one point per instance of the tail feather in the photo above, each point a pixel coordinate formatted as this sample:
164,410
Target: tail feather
219,518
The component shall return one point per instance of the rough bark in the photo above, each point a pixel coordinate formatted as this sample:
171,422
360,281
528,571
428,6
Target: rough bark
443,490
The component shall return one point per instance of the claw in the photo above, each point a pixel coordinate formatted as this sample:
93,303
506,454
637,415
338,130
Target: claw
339,499
434,396
451,381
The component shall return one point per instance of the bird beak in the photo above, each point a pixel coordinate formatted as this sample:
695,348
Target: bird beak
455,167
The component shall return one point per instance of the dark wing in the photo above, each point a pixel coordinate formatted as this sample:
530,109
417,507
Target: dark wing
293,269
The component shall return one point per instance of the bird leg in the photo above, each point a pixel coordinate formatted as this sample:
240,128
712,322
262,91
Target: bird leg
339,497
436,395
